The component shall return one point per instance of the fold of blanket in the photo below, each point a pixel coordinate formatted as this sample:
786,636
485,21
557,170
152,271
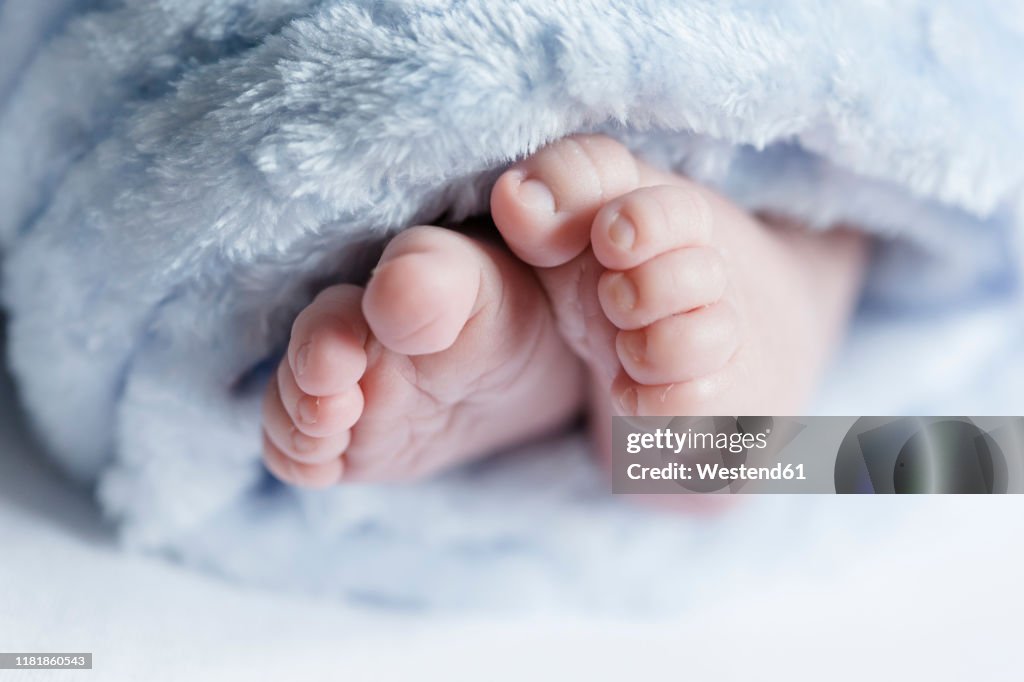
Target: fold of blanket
180,177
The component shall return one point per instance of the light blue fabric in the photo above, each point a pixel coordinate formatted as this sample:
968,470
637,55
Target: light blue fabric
178,176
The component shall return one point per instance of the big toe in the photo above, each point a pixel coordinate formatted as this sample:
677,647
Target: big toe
544,205
423,291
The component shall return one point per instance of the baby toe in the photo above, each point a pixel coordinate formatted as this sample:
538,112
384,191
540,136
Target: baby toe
326,352
544,205
318,416
650,221
704,396
280,429
287,470
671,283
423,291
681,347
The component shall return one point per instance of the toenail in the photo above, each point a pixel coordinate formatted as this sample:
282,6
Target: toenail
303,443
302,359
622,233
309,409
623,292
636,345
629,401
537,196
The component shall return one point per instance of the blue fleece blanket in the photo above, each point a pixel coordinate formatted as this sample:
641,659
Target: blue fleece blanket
180,177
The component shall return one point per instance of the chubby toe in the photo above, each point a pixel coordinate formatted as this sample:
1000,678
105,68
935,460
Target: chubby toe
681,347
544,205
672,283
650,221
326,353
423,291
279,428
318,416
287,470
709,395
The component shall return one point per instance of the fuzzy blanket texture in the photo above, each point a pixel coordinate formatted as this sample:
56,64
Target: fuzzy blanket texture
179,177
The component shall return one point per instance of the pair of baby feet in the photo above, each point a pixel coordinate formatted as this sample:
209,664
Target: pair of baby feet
627,289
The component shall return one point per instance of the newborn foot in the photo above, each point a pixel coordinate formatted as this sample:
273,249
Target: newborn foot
679,302
450,352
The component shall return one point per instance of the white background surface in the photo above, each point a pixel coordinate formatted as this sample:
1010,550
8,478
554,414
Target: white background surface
938,595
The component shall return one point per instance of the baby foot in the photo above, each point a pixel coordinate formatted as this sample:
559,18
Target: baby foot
450,352
679,302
